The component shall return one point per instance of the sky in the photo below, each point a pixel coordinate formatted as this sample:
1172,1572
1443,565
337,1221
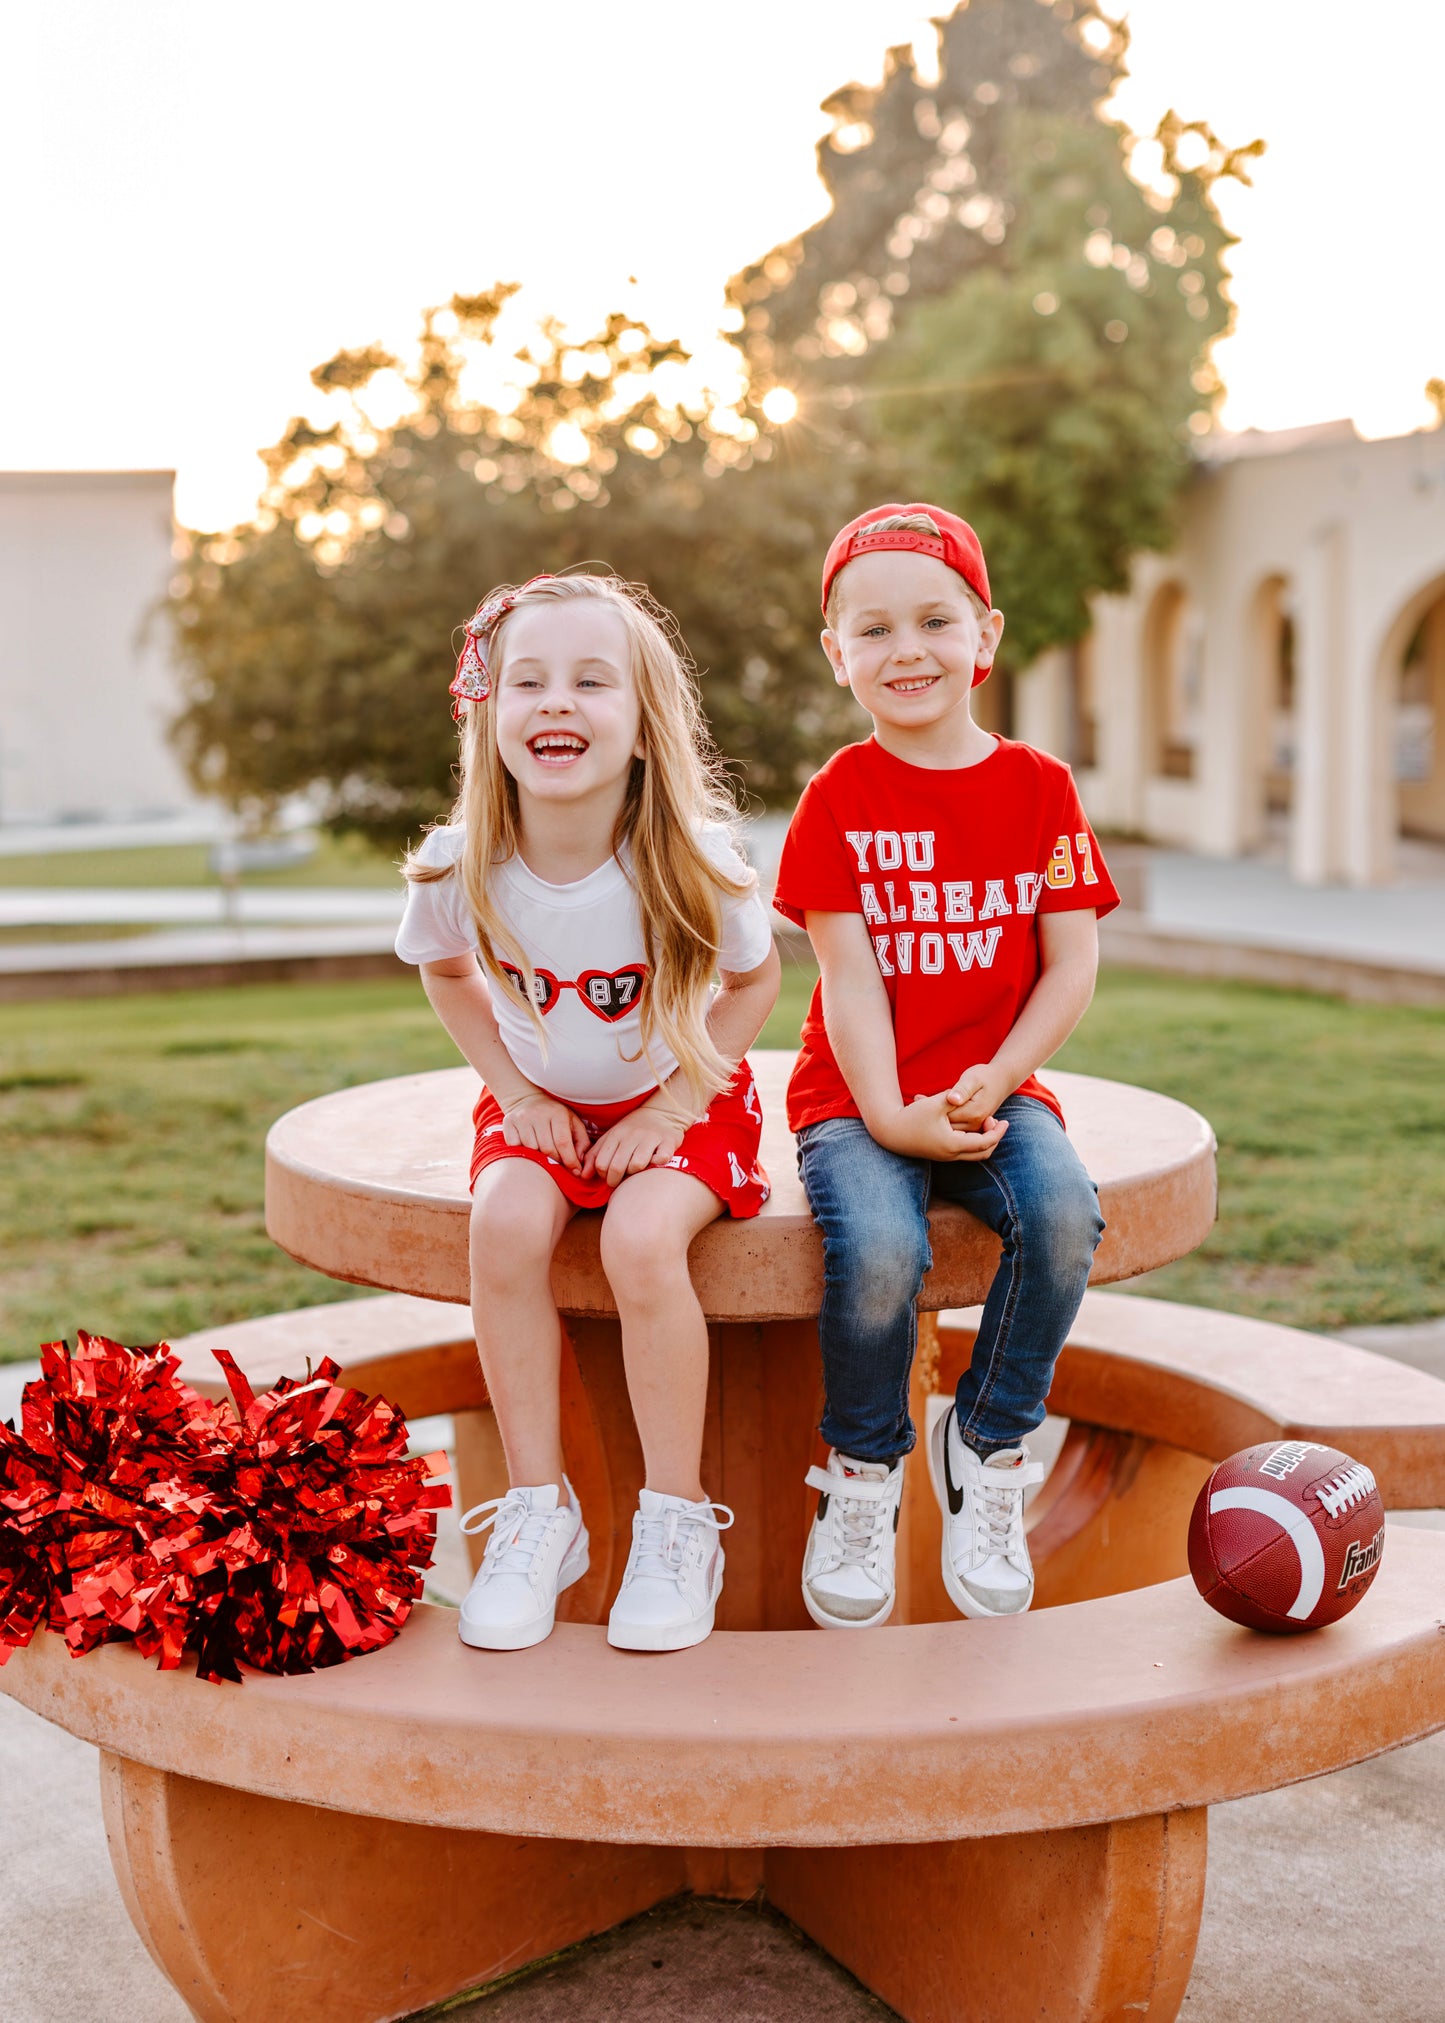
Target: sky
202,201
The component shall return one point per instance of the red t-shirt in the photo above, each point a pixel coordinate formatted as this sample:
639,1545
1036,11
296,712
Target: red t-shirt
949,870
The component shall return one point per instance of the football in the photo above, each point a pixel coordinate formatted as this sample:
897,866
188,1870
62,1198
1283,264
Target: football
1286,1536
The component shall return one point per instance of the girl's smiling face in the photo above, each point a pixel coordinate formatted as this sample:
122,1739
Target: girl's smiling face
567,716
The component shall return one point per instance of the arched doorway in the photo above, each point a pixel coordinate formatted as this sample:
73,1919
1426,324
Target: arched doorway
1419,731
1407,815
1271,752
1173,664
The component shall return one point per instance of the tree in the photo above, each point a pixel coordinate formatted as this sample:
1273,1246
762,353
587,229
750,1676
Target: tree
315,641
1013,323
993,312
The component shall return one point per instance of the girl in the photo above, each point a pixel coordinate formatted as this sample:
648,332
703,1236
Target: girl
588,869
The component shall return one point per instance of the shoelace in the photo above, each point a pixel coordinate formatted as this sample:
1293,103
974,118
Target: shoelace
667,1540
517,1530
861,1515
1003,1508
1003,1511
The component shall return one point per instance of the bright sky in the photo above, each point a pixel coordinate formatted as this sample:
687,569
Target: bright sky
206,199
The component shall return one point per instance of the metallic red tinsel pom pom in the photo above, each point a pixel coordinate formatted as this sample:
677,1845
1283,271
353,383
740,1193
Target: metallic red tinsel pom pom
288,1535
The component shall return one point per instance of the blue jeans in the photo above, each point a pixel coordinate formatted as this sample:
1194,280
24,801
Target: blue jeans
872,1207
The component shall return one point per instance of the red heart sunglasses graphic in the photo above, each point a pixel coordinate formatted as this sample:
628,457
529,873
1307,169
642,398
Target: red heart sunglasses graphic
608,994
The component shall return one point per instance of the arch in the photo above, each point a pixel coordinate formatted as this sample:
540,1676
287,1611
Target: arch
1410,693
1269,750
1081,707
1172,660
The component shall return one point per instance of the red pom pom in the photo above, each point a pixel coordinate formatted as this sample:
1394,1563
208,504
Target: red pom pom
289,1535
91,1485
330,1528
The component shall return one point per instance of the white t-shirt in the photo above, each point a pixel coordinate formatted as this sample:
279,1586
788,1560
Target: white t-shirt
585,943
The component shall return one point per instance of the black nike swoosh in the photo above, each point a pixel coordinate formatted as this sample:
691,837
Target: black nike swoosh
955,1495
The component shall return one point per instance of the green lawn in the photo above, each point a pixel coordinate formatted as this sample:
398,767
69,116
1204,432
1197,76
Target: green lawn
131,1130
339,860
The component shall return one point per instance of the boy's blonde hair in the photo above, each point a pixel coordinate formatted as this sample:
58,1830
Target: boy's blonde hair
905,523
672,791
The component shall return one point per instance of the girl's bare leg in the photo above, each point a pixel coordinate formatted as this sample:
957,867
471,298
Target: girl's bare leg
650,1221
518,1215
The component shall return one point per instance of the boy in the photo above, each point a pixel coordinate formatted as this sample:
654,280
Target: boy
950,886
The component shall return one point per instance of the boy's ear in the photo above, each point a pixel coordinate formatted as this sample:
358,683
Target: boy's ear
834,651
990,632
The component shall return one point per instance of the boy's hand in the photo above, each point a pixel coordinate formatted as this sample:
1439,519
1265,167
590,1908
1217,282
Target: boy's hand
976,1096
543,1124
647,1136
922,1130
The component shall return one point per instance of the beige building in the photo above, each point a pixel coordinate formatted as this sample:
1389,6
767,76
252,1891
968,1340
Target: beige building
1279,678
87,687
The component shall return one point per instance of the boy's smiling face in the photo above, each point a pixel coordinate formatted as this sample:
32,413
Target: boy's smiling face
905,637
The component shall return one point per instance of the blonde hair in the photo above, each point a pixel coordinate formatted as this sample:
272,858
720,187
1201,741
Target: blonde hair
672,791
901,523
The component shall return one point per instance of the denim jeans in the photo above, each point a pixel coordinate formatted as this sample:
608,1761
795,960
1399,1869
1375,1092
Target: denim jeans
872,1207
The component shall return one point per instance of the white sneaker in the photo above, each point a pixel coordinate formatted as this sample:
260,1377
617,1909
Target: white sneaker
986,1564
848,1581
537,1548
674,1575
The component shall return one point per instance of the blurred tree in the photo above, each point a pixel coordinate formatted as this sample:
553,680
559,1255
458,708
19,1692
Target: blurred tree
995,312
316,640
1010,301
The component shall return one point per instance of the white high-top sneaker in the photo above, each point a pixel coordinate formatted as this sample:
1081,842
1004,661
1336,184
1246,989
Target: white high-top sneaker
986,1564
848,1581
674,1575
537,1548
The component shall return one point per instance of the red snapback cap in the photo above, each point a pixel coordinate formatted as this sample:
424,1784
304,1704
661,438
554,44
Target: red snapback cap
955,544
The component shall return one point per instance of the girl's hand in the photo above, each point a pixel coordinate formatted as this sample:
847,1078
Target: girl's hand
645,1137
543,1124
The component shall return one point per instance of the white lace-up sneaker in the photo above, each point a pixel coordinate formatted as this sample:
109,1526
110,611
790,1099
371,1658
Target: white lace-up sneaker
537,1548
674,1575
986,1564
848,1581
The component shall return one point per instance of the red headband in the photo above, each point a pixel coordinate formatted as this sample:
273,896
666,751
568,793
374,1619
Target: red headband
473,681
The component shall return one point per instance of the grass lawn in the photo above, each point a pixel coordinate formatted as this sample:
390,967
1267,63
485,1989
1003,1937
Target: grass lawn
339,860
131,1131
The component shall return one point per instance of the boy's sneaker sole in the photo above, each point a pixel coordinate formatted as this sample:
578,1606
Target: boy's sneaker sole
522,1636
967,1603
826,1622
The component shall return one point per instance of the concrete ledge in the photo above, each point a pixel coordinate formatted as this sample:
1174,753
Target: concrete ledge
209,961
1129,940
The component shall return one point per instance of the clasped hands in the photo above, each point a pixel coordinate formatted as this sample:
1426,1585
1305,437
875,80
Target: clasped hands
958,1123
646,1136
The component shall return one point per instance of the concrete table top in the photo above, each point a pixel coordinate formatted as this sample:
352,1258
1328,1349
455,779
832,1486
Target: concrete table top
370,1185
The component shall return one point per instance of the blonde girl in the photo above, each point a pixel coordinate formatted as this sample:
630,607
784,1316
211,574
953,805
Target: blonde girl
568,923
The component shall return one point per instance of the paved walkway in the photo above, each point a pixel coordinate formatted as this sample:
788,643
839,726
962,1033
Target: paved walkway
1253,900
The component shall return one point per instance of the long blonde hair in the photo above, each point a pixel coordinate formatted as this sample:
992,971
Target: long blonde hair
672,791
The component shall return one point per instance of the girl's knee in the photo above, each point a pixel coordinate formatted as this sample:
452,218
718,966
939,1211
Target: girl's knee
642,1252
511,1239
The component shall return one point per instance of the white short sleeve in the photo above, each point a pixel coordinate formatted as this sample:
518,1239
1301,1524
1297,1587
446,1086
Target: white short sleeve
747,932
437,923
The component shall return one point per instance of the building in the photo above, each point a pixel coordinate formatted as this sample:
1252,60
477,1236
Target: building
87,684
1279,678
